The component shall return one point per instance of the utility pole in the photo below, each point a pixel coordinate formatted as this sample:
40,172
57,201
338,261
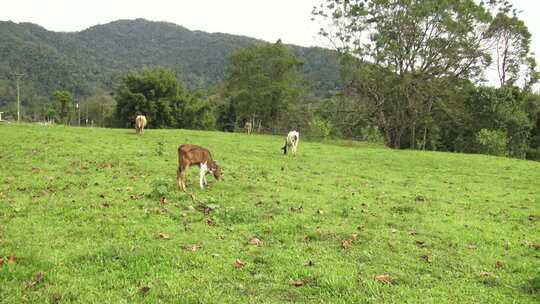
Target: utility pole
79,115
18,76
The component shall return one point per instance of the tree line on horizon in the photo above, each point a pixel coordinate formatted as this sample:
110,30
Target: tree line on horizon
414,83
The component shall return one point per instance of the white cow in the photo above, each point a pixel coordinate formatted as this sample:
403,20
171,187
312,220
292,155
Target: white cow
140,123
291,142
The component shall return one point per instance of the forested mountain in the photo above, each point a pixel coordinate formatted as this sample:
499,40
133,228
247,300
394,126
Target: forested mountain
91,60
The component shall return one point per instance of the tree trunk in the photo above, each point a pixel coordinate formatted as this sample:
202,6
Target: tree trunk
413,134
424,139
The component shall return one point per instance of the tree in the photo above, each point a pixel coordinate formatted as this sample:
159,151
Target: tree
98,109
156,93
404,53
511,41
64,103
226,117
506,109
262,81
147,92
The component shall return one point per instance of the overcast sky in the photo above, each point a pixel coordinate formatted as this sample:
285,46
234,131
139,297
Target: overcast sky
288,20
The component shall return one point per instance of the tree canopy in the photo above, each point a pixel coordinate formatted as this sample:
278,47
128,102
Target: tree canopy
156,93
263,81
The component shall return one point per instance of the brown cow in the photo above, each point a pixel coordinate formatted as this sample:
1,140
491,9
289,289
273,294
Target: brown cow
140,123
195,155
248,127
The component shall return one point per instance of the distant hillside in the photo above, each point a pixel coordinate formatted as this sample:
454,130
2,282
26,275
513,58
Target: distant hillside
93,59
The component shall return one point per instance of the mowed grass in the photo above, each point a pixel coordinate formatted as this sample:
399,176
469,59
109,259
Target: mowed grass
76,205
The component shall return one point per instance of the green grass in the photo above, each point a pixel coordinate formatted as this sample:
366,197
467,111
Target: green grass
77,205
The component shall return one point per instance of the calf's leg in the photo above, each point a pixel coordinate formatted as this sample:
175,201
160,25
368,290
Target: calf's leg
179,177
202,173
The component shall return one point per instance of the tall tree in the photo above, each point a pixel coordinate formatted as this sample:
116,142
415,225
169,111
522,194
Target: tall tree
98,109
64,103
262,81
147,92
511,43
418,49
156,93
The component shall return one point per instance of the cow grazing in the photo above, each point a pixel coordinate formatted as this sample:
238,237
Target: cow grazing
195,155
291,142
140,123
248,127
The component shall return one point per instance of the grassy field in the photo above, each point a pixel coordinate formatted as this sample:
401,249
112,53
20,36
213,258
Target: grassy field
82,221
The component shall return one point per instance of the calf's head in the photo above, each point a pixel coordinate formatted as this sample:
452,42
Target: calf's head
215,169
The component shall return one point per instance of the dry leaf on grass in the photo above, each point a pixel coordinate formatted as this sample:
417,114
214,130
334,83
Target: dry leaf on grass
427,257
298,283
532,245
193,247
346,244
37,279
309,263
105,165
1,261
421,244
163,236
486,274
12,259
384,278
210,222
238,263
255,242
297,209
144,289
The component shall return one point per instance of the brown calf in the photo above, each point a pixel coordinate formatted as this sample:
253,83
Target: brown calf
195,155
248,127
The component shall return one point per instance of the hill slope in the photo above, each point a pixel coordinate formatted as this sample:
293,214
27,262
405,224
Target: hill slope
447,228
94,58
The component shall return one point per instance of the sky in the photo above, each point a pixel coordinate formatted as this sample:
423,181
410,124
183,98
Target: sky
288,20
270,20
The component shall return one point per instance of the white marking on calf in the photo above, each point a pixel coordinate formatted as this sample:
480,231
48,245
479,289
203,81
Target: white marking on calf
202,174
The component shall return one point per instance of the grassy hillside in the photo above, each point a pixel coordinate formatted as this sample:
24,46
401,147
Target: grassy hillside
76,205
86,61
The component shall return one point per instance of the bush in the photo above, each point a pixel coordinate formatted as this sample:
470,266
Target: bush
533,154
372,134
320,128
160,188
160,148
492,142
